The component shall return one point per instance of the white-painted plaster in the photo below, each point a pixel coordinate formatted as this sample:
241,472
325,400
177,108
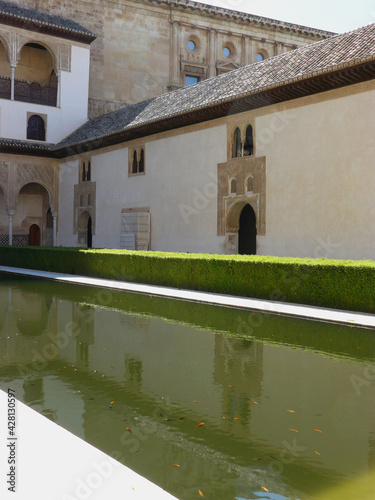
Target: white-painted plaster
320,179
68,177
179,187
61,121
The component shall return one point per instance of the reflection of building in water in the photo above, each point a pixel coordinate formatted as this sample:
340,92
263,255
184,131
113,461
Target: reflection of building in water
133,372
25,314
238,367
83,316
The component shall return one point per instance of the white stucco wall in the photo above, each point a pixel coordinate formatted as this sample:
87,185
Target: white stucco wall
179,187
319,189
68,178
61,121
320,178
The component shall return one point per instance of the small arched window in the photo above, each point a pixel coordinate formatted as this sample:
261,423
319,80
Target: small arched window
249,142
233,186
89,200
84,172
134,166
35,128
81,201
237,143
88,175
250,184
142,162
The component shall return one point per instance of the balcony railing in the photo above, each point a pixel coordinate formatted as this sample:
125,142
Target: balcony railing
27,92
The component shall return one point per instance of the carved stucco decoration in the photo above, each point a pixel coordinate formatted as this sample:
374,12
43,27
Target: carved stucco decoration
230,205
84,201
4,180
47,176
14,42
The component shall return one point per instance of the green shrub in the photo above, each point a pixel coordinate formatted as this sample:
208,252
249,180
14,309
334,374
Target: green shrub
346,285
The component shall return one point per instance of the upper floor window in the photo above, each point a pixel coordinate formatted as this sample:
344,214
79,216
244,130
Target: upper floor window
227,52
237,143
191,45
36,128
262,55
85,171
248,149
190,80
243,142
137,161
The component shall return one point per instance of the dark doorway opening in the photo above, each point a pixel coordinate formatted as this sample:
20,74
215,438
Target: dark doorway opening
247,234
34,236
89,233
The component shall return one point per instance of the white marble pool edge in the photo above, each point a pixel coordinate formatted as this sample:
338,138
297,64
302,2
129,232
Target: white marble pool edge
266,306
53,464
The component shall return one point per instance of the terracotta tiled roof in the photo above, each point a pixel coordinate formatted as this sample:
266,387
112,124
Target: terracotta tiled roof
318,58
339,61
42,21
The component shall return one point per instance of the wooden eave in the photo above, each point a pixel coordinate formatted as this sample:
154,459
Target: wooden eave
46,28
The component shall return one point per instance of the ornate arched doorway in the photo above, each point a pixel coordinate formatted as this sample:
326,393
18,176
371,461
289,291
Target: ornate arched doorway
247,233
85,230
33,204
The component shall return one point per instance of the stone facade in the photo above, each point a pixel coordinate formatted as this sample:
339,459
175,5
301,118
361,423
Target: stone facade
141,49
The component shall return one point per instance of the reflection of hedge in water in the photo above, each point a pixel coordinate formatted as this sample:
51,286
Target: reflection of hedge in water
319,336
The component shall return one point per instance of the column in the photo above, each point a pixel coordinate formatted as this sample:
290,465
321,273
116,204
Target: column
175,55
212,54
13,69
54,216
243,51
58,98
10,220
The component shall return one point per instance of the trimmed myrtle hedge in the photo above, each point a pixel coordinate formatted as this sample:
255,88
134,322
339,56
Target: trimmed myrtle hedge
346,285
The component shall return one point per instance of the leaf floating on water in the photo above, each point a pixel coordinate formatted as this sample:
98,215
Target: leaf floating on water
197,401
224,417
112,402
317,430
291,411
201,494
59,369
231,386
199,425
293,430
128,429
265,489
181,418
176,465
238,418
254,402
317,452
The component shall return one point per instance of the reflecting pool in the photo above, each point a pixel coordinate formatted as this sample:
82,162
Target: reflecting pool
197,398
